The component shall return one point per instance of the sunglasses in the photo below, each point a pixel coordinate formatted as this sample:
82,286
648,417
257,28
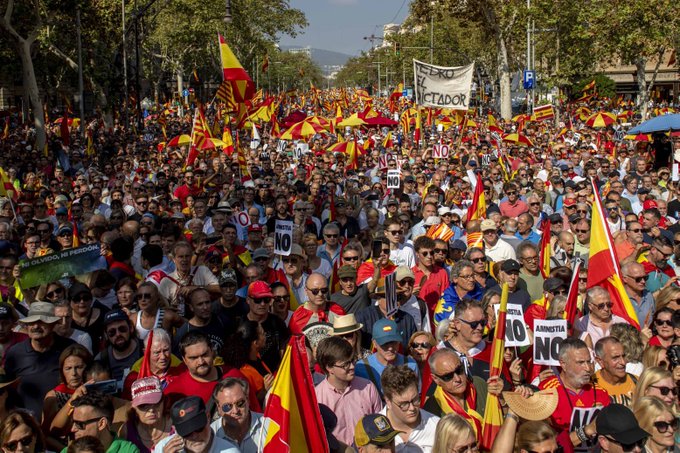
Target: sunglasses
629,447
281,298
441,250
666,390
663,322
663,426
227,407
427,253
120,329
559,449
479,260
24,441
316,291
395,232
290,260
603,305
637,230
83,298
581,231
143,296
350,258
640,279
55,293
262,300
474,324
512,192
460,370
416,345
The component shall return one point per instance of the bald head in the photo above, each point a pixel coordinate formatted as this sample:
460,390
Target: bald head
131,228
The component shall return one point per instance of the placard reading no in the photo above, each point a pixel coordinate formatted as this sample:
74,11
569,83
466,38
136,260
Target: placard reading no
440,151
283,237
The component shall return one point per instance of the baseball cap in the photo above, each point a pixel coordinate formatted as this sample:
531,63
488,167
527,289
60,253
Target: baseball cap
459,245
618,422
188,415
296,250
555,218
510,266
7,312
255,227
385,331
443,210
403,272
64,229
393,202
115,315
374,429
77,289
259,289
409,178
574,218
488,224
552,284
227,276
569,202
146,391
347,271
260,253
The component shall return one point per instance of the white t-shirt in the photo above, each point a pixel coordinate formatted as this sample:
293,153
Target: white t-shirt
421,439
202,277
403,256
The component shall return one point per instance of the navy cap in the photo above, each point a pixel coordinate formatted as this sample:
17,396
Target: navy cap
188,415
115,315
510,266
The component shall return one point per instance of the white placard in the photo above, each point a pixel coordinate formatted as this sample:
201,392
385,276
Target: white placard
439,86
440,151
384,159
548,336
393,179
283,237
515,327
243,219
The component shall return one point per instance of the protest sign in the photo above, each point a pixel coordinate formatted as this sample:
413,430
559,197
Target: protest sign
283,237
439,86
393,179
440,151
515,327
548,336
55,266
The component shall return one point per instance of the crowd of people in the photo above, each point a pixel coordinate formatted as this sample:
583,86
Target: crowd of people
174,342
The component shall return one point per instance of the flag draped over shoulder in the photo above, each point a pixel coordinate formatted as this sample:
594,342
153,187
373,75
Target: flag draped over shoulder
603,264
292,422
242,85
493,415
477,209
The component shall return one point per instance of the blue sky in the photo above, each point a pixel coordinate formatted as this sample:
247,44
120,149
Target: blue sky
340,25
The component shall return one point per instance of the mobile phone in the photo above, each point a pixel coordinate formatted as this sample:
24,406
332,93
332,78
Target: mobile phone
377,248
108,387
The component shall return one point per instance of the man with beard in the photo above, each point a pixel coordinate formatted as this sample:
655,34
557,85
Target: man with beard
579,399
615,220
203,320
36,360
237,423
123,348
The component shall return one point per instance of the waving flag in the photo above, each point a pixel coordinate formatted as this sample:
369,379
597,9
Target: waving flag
571,310
477,209
493,415
493,124
545,250
416,134
590,86
440,231
242,85
603,264
292,422
64,132
7,189
388,142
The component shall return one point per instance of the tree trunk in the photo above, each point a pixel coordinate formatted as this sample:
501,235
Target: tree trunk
31,89
504,77
643,95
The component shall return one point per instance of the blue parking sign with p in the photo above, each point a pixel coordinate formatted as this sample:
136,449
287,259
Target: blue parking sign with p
529,79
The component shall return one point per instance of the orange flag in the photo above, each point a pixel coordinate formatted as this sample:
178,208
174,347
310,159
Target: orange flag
603,264
292,422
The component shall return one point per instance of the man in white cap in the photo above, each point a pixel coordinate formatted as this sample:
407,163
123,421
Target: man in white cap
408,301
496,249
36,360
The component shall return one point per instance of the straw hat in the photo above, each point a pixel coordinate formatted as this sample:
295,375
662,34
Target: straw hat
538,406
345,324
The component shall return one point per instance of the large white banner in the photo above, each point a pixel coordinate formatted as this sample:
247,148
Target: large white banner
439,86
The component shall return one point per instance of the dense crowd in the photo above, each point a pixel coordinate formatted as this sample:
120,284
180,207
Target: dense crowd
174,342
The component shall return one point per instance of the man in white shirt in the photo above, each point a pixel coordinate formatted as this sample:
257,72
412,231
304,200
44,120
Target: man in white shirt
496,249
237,424
402,408
400,254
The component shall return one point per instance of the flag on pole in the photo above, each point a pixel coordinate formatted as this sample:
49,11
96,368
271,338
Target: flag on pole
493,124
603,264
477,209
405,121
265,63
543,112
388,142
590,86
64,131
242,85
545,250
5,132
493,414
571,309
292,422
416,134
7,189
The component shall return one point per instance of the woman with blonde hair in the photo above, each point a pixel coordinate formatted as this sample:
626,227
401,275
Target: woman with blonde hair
654,417
530,436
419,346
658,382
454,433
668,297
654,356
153,313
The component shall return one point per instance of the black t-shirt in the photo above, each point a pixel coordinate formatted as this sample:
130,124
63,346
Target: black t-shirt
354,303
38,371
230,316
349,230
277,335
96,329
271,223
214,330
674,209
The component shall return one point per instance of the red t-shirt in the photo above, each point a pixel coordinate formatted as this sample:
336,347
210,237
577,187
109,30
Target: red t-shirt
304,316
431,287
183,191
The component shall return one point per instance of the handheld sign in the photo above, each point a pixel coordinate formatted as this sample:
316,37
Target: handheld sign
392,304
515,327
393,179
445,87
548,336
440,151
283,237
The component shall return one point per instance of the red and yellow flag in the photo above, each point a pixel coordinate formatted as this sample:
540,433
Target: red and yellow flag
292,422
545,250
5,132
493,124
388,142
265,63
65,134
7,189
493,414
543,112
242,85
603,264
477,209
571,310
440,231
590,86
416,134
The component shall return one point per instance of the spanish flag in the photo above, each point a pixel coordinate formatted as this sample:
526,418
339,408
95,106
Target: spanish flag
545,250
232,71
493,124
292,422
590,86
477,209
265,63
388,142
603,264
493,415
7,189
571,310
416,134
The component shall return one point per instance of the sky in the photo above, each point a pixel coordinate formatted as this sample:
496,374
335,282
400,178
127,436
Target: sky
340,25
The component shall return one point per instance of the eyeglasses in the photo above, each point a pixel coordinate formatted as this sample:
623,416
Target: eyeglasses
479,260
26,441
227,407
637,230
581,231
120,329
441,251
460,370
603,305
582,211
395,232
473,324
467,277
290,260
416,345
663,426
404,405
663,322
346,365
530,258
350,258
427,253
54,293
316,291
80,425
666,390
511,192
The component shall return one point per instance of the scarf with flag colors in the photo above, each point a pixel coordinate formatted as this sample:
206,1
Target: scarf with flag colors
291,421
474,239
603,264
449,405
493,414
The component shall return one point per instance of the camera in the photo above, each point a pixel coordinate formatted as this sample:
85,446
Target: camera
673,354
